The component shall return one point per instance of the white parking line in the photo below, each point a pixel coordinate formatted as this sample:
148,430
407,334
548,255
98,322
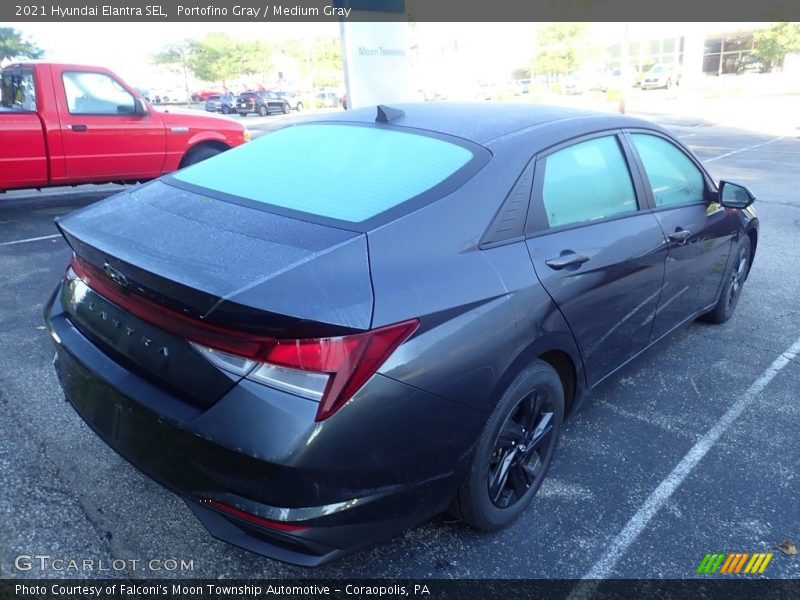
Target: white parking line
620,544
732,152
34,239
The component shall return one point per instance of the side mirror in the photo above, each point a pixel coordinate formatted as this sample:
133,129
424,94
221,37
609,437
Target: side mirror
140,107
733,195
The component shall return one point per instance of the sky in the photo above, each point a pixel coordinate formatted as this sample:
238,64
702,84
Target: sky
125,48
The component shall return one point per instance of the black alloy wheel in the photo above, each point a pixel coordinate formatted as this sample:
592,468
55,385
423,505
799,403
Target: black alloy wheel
733,281
514,450
518,457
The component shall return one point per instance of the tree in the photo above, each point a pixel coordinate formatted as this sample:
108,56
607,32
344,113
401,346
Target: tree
12,45
774,43
218,57
257,58
561,48
176,56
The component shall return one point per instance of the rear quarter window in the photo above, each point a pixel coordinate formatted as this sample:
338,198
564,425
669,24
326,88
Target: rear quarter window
345,172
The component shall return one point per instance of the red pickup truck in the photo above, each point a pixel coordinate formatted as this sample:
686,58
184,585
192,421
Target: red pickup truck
63,124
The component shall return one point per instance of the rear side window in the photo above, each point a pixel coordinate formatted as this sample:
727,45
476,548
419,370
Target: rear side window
673,177
17,91
344,172
586,182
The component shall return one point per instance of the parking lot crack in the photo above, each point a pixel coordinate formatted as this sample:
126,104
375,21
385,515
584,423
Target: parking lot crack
63,486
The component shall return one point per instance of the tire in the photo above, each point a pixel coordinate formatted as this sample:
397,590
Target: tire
299,107
285,108
668,85
226,109
501,481
199,154
732,283
263,110
241,114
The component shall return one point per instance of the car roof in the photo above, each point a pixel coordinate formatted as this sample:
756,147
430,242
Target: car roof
485,122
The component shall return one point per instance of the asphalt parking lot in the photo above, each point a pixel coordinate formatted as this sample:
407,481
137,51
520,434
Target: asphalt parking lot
692,449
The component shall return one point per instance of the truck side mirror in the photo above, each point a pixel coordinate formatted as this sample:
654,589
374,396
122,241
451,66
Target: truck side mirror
140,107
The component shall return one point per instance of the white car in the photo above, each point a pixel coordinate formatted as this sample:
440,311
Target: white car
661,76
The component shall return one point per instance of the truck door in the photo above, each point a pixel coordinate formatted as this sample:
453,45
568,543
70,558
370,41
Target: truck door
103,135
23,156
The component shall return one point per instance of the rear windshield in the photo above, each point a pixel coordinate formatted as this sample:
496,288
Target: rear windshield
345,172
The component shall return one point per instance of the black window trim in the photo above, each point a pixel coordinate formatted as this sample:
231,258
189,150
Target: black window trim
490,238
710,191
536,224
86,114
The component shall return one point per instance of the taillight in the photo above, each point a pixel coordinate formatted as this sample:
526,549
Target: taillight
327,370
346,362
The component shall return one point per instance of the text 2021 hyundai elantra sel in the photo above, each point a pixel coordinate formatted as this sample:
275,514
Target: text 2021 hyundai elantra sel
348,326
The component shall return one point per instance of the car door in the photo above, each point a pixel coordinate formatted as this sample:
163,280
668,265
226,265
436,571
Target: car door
102,134
596,249
699,231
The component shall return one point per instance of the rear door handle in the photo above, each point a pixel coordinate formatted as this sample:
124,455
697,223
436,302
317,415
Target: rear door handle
680,235
566,260
78,127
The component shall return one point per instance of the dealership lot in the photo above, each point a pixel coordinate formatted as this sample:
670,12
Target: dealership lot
68,496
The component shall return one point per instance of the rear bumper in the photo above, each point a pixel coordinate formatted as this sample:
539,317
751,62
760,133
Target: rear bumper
345,482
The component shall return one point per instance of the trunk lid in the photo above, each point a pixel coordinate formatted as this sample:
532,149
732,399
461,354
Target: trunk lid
229,264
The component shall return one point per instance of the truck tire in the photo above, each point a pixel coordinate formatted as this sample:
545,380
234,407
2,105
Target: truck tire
199,154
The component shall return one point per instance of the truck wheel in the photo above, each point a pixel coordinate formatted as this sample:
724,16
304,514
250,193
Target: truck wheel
196,155
262,110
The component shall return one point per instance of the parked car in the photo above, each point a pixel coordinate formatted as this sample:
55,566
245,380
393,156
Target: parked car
580,82
752,64
261,102
167,96
328,99
619,79
64,124
522,86
224,103
375,317
204,95
294,101
661,76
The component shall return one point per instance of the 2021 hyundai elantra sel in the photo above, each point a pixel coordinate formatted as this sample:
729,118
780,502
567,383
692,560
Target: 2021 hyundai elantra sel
348,326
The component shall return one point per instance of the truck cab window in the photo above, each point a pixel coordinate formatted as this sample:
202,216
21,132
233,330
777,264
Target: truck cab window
17,92
96,94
